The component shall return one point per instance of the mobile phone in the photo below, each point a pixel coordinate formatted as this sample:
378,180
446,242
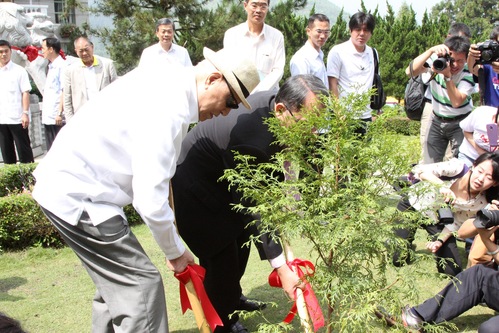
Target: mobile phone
492,134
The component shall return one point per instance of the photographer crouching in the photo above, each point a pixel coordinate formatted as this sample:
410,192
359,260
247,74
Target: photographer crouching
483,62
451,91
477,285
453,185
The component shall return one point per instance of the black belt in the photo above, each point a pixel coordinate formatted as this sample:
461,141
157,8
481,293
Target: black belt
449,119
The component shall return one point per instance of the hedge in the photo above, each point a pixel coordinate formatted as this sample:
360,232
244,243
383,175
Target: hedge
22,222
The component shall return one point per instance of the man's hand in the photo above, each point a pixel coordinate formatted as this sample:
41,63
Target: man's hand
25,120
289,280
58,120
495,66
440,50
179,264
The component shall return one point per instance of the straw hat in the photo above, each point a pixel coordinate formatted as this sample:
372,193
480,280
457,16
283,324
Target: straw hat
241,74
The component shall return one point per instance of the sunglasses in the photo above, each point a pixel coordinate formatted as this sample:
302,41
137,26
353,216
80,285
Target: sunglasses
231,101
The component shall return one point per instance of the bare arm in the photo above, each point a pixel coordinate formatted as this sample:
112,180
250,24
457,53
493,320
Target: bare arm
333,86
473,56
25,104
420,60
469,137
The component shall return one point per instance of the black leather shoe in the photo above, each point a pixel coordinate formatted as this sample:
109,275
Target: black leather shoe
237,327
250,305
410,319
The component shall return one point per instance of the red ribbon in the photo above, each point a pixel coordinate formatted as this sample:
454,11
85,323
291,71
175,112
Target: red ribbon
313,307
30,51
196,273
33,52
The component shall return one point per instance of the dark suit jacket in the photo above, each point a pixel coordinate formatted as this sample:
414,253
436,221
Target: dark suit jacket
203,204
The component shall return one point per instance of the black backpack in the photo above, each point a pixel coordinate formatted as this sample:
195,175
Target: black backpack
414,100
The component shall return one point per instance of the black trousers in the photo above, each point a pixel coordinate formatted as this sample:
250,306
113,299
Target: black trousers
11,134
449,250
476,284
50,134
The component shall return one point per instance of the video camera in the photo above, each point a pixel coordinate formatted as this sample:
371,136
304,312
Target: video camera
489,52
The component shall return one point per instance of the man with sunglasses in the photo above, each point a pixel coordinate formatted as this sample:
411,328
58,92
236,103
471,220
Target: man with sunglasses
451,91
213,230
128,156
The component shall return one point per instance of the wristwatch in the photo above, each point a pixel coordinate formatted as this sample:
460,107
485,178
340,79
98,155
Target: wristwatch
447,79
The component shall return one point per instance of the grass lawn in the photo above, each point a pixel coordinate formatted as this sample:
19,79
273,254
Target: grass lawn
49,291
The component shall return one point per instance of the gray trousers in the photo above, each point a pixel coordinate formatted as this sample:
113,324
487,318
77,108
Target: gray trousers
130,296
440,134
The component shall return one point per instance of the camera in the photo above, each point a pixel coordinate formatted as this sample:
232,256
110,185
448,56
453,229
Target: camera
445,215
441,62
489,52
486,218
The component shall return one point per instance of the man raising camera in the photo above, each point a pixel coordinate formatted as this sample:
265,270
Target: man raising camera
486,68
451,93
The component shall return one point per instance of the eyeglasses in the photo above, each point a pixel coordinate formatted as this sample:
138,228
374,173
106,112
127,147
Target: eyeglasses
291,113
325,32
231,100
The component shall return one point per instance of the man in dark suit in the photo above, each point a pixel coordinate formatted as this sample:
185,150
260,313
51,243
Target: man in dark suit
213,230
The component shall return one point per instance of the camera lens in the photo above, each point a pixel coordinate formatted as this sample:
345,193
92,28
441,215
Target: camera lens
487,55
440,64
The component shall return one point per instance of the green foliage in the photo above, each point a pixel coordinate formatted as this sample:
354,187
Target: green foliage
479,15
15,178
23,224
345,211
403,125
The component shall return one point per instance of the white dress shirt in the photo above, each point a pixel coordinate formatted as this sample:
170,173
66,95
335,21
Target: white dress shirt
175,55
121,148
52,91
14,81
266,50
307,60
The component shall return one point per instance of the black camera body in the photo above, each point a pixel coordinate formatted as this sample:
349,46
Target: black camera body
445,215
486,218
441,62
489,52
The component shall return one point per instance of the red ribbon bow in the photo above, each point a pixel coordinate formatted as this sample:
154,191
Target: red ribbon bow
313,307
196,273
30,51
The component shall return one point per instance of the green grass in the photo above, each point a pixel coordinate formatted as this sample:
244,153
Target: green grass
49,291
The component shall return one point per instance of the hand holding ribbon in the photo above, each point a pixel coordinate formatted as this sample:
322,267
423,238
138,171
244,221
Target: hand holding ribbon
312,304
193,296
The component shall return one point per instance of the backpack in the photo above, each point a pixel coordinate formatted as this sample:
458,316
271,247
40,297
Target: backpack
414,100
378,99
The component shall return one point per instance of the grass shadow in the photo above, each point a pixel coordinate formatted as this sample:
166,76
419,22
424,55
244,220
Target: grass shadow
8,284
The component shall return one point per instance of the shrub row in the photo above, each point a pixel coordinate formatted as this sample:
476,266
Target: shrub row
403,125
22,222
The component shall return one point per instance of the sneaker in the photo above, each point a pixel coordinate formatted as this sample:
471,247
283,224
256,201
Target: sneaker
410,319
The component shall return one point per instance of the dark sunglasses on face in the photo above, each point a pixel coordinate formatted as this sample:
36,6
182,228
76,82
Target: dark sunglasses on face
231,101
